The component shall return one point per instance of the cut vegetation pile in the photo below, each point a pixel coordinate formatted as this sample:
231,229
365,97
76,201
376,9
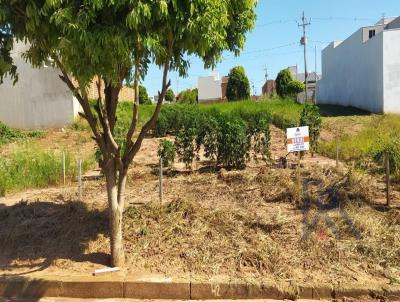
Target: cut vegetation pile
240,224
257,238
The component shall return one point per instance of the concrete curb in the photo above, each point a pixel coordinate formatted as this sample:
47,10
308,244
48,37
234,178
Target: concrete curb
19,287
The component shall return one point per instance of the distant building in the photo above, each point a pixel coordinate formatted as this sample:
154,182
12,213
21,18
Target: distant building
224,86
268,88
212,88
312,80
39,99
364,70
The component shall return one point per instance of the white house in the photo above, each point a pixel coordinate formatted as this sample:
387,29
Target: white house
364,70
209,88
38,100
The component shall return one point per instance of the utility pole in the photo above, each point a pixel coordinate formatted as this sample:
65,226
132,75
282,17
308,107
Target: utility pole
252,86
266,73
304,23
316,76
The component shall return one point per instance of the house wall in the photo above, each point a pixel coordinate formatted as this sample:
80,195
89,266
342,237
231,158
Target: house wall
209,89
38,100
352,73
125,94
391,67
394,24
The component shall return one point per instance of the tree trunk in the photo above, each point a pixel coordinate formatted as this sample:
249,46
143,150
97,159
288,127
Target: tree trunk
115,192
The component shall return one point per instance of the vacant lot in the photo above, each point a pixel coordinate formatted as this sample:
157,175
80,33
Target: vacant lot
248,224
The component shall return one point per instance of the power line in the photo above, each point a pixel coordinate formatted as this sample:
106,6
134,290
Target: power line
356,19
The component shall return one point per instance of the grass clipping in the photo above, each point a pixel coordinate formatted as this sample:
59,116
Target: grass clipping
260,238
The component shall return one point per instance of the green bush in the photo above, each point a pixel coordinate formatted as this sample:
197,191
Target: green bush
286,86
295,87
143,96
311,117
238,84
170,96
166,150
232,142
185,146
188,96
173,118
8,134
392,149
229,138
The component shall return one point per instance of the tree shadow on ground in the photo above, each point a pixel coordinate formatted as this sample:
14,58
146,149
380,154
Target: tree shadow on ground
336,111
34,234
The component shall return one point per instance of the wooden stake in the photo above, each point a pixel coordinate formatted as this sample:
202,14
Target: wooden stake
161,180
63,167
387,168
337,152
80,179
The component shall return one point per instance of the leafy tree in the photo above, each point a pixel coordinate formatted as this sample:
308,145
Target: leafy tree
311,117
189,96
170,96
143,96
286,86
238,85
113,42
283,81
295,87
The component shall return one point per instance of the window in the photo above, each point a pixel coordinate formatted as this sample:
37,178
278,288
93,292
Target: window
372,33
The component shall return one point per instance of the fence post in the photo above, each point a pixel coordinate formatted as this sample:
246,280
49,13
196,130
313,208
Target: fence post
80,179
63,167
337,152
161,180
387,168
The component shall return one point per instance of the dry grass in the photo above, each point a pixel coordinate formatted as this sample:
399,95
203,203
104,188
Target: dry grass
256,238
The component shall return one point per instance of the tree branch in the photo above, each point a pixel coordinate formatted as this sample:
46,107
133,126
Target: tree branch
151,123
135,113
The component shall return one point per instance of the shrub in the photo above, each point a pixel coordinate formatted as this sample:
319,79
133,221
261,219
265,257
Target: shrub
232,142
173,118
238,84
188,96
392,149
311,117
258,130
229,138
166,150
8,134
207,134
295,87
286,86
143,96
282,82
185,146
170,96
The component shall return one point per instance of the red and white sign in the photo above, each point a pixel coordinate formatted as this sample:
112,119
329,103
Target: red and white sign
298,139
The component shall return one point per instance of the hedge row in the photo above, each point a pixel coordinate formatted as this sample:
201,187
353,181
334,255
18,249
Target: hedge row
229,139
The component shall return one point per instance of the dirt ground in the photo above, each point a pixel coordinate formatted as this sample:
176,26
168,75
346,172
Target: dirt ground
247,224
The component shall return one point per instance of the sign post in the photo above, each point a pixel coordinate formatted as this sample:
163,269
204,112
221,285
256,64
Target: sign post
298,140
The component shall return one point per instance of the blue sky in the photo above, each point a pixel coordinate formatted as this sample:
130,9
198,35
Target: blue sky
274,42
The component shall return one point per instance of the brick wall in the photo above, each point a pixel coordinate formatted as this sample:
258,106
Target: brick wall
126,93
